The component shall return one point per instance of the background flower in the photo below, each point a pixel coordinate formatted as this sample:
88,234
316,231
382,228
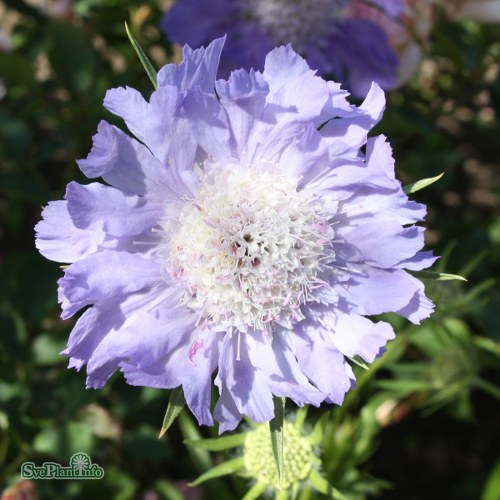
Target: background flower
246,234
410,28
487,11
5,46
354,50
408,32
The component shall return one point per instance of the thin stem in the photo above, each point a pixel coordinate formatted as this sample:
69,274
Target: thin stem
488,387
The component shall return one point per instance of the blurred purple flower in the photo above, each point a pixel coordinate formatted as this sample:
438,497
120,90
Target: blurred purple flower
242,231
355,51
5,46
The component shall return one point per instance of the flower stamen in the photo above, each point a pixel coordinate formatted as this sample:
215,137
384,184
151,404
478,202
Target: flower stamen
251,248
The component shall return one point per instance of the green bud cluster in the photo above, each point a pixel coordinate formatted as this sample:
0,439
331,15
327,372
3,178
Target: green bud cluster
298,457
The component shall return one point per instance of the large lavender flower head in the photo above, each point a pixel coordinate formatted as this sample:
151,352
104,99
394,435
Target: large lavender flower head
356,51
242,232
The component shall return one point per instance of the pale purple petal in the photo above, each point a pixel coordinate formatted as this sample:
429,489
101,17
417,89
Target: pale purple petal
247,385
198,68
383,243
419,261
125,163
357,336
352,131
208,123
98,321
99,207
402,293
294,87
58,239
107,276
274,357
129,104
321,362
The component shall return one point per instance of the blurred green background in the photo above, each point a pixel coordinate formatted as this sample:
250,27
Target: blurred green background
425,420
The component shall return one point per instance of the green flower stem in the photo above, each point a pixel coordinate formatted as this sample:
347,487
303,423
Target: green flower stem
487,387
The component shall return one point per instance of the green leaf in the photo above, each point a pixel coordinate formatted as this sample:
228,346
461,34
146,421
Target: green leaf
65,440
142,444
421,184
223,469
46,350
255,491
151,72
492,487
276,428
175,405
323,486
431,275
358,361
300,417
218,444
316,436
404,385
121,485
167,490
72,57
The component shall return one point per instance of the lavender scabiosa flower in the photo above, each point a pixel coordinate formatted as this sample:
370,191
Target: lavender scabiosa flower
354,50
408,32
242,231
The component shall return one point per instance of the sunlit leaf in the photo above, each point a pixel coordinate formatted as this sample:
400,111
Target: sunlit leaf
300,417
150,71
316,436
358,361
220,443
404,385
421,184
491,489
323,486
175,405
167,490
431,275
224,469
255,491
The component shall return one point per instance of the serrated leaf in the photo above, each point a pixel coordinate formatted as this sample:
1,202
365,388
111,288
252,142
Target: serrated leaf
323,486
431,275
276,429
421,184
146,63
223,469
218,444
175,405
